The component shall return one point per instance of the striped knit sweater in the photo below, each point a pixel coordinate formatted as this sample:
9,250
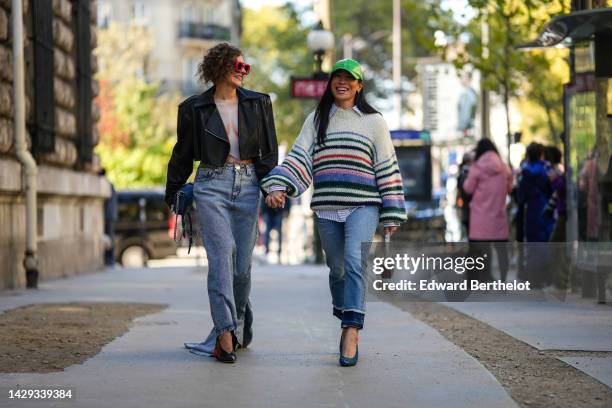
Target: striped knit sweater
356,166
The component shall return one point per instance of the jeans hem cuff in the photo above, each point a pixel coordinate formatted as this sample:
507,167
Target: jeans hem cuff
360,311
352,324
225,329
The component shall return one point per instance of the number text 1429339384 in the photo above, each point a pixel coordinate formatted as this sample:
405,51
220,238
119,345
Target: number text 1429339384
40,394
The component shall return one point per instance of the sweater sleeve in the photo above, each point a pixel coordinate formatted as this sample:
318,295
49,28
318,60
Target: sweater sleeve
295,173
388,176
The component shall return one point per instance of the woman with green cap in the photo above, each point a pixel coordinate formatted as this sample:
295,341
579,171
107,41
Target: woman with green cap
344,149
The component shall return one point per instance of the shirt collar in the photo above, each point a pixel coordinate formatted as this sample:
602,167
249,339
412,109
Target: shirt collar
334,108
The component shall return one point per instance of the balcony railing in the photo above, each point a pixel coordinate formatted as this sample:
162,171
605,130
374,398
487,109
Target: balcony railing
203,31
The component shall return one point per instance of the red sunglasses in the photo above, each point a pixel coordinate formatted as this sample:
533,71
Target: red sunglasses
239,66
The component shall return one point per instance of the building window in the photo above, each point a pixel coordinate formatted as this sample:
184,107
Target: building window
189,13
208,15
43,128
140,13
105,13
81,14
190,81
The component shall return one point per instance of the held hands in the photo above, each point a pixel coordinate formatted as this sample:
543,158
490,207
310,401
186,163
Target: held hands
390,230
276,199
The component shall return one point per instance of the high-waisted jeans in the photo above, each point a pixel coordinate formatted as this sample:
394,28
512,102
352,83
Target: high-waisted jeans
342,243
227,201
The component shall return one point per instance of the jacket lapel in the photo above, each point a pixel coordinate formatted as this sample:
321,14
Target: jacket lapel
213,124
242,123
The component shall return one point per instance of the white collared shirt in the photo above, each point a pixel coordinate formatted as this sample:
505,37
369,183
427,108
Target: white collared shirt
335,107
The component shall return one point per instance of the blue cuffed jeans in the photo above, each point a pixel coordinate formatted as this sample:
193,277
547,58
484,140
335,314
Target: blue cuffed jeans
342,244
227,202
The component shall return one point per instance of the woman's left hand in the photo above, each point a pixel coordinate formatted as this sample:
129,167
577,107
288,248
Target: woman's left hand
390,230
276,199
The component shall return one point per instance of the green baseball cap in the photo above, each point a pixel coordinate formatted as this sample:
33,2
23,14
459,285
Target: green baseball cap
349,65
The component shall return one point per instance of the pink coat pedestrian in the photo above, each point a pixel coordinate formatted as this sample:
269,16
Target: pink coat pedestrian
489,181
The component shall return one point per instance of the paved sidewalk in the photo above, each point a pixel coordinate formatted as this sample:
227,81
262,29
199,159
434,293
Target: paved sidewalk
292,361
553,325
548,325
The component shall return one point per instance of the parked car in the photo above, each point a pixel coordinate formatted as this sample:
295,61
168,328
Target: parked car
144,227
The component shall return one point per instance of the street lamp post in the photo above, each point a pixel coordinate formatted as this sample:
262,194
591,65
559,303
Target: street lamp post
397,61
320,41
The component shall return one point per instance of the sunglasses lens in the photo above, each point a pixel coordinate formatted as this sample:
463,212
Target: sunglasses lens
240,66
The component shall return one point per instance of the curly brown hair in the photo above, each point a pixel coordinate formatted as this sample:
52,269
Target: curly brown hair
216,62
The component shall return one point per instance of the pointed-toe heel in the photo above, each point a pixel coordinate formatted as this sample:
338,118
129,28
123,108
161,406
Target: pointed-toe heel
222,355
349,362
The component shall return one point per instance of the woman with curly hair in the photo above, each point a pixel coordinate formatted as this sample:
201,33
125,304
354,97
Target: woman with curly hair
230,131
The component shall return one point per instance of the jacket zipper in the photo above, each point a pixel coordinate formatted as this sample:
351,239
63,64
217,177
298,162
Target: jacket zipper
259,130
215,135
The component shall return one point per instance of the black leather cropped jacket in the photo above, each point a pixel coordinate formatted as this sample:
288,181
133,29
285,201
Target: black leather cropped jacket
201,136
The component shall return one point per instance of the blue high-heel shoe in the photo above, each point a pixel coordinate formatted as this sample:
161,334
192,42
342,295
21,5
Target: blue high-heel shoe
349,362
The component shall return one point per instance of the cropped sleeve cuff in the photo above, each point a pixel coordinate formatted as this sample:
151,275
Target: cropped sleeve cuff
276,187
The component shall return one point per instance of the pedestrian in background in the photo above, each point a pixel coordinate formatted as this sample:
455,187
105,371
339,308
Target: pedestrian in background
556,210
588,186
230,130
344,149
489,182
534,193
273,219
463,198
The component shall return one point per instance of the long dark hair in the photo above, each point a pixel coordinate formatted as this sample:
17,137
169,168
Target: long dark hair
321,118
484,145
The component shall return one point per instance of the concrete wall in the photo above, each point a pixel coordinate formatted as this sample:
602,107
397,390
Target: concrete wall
70,225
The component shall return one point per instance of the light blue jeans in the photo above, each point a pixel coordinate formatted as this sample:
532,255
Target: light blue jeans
342,244
227,201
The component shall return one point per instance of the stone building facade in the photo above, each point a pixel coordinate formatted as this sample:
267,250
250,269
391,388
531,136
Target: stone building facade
183,30
61,117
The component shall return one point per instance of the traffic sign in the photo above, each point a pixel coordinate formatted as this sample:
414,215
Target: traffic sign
308,88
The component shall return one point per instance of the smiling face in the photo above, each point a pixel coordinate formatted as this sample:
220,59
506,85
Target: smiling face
234,78
344,87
